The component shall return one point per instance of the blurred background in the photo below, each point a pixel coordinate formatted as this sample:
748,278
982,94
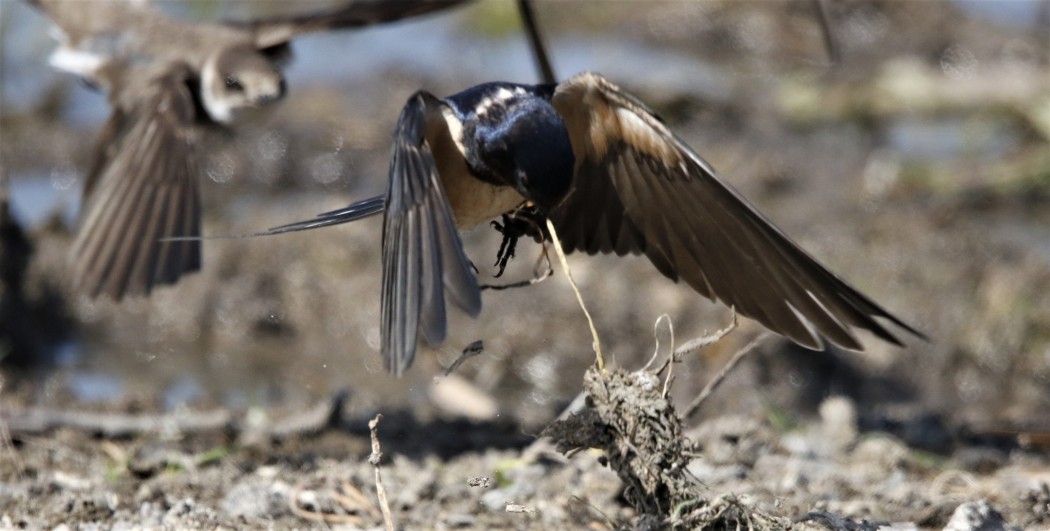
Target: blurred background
918,168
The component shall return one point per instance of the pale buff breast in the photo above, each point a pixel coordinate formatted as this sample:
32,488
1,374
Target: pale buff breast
473,202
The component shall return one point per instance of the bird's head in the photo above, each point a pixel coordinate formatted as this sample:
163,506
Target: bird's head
530,149
545,162
237,79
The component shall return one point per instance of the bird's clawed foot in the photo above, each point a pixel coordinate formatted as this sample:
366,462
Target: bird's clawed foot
525,220
507,246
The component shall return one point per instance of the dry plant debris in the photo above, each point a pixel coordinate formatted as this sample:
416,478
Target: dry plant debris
630,419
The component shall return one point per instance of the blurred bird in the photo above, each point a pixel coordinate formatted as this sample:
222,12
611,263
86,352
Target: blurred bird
612,178
167,82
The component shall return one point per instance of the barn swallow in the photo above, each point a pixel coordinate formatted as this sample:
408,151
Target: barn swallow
168,81
612,178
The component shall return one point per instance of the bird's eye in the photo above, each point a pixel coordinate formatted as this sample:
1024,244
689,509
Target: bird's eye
233,84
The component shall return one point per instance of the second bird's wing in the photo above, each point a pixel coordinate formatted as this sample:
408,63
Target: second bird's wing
273,35
142,188
640,189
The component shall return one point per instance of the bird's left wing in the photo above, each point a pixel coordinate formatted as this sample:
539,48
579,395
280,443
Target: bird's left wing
639,189
422,252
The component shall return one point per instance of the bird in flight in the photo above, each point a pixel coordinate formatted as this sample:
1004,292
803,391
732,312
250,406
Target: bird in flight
168,81
612,178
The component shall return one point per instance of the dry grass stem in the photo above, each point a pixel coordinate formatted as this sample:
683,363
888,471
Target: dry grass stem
721,376
568,274
318,515
656,337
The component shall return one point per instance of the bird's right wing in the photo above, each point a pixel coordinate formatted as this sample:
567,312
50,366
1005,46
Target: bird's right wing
422,252
640,189
142,188
278,31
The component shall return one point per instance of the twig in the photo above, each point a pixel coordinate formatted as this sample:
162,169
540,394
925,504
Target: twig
721,376
695,344
576,500
352,499
942,487
568,274
701,342
470,351
318,515
377,455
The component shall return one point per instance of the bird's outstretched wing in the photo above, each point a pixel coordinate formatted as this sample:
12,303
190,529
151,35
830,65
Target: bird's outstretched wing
640,189
142,188
422,252
278,31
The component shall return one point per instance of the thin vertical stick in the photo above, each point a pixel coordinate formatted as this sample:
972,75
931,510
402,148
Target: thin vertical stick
377,455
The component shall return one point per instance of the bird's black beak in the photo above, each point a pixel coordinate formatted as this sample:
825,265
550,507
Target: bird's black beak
533,197
270,97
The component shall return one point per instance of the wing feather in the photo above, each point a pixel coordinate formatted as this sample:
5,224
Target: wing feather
640,189
277,31
358,210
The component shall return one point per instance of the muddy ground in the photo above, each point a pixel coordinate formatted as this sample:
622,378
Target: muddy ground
918,168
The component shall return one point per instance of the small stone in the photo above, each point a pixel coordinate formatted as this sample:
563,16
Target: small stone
977,516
